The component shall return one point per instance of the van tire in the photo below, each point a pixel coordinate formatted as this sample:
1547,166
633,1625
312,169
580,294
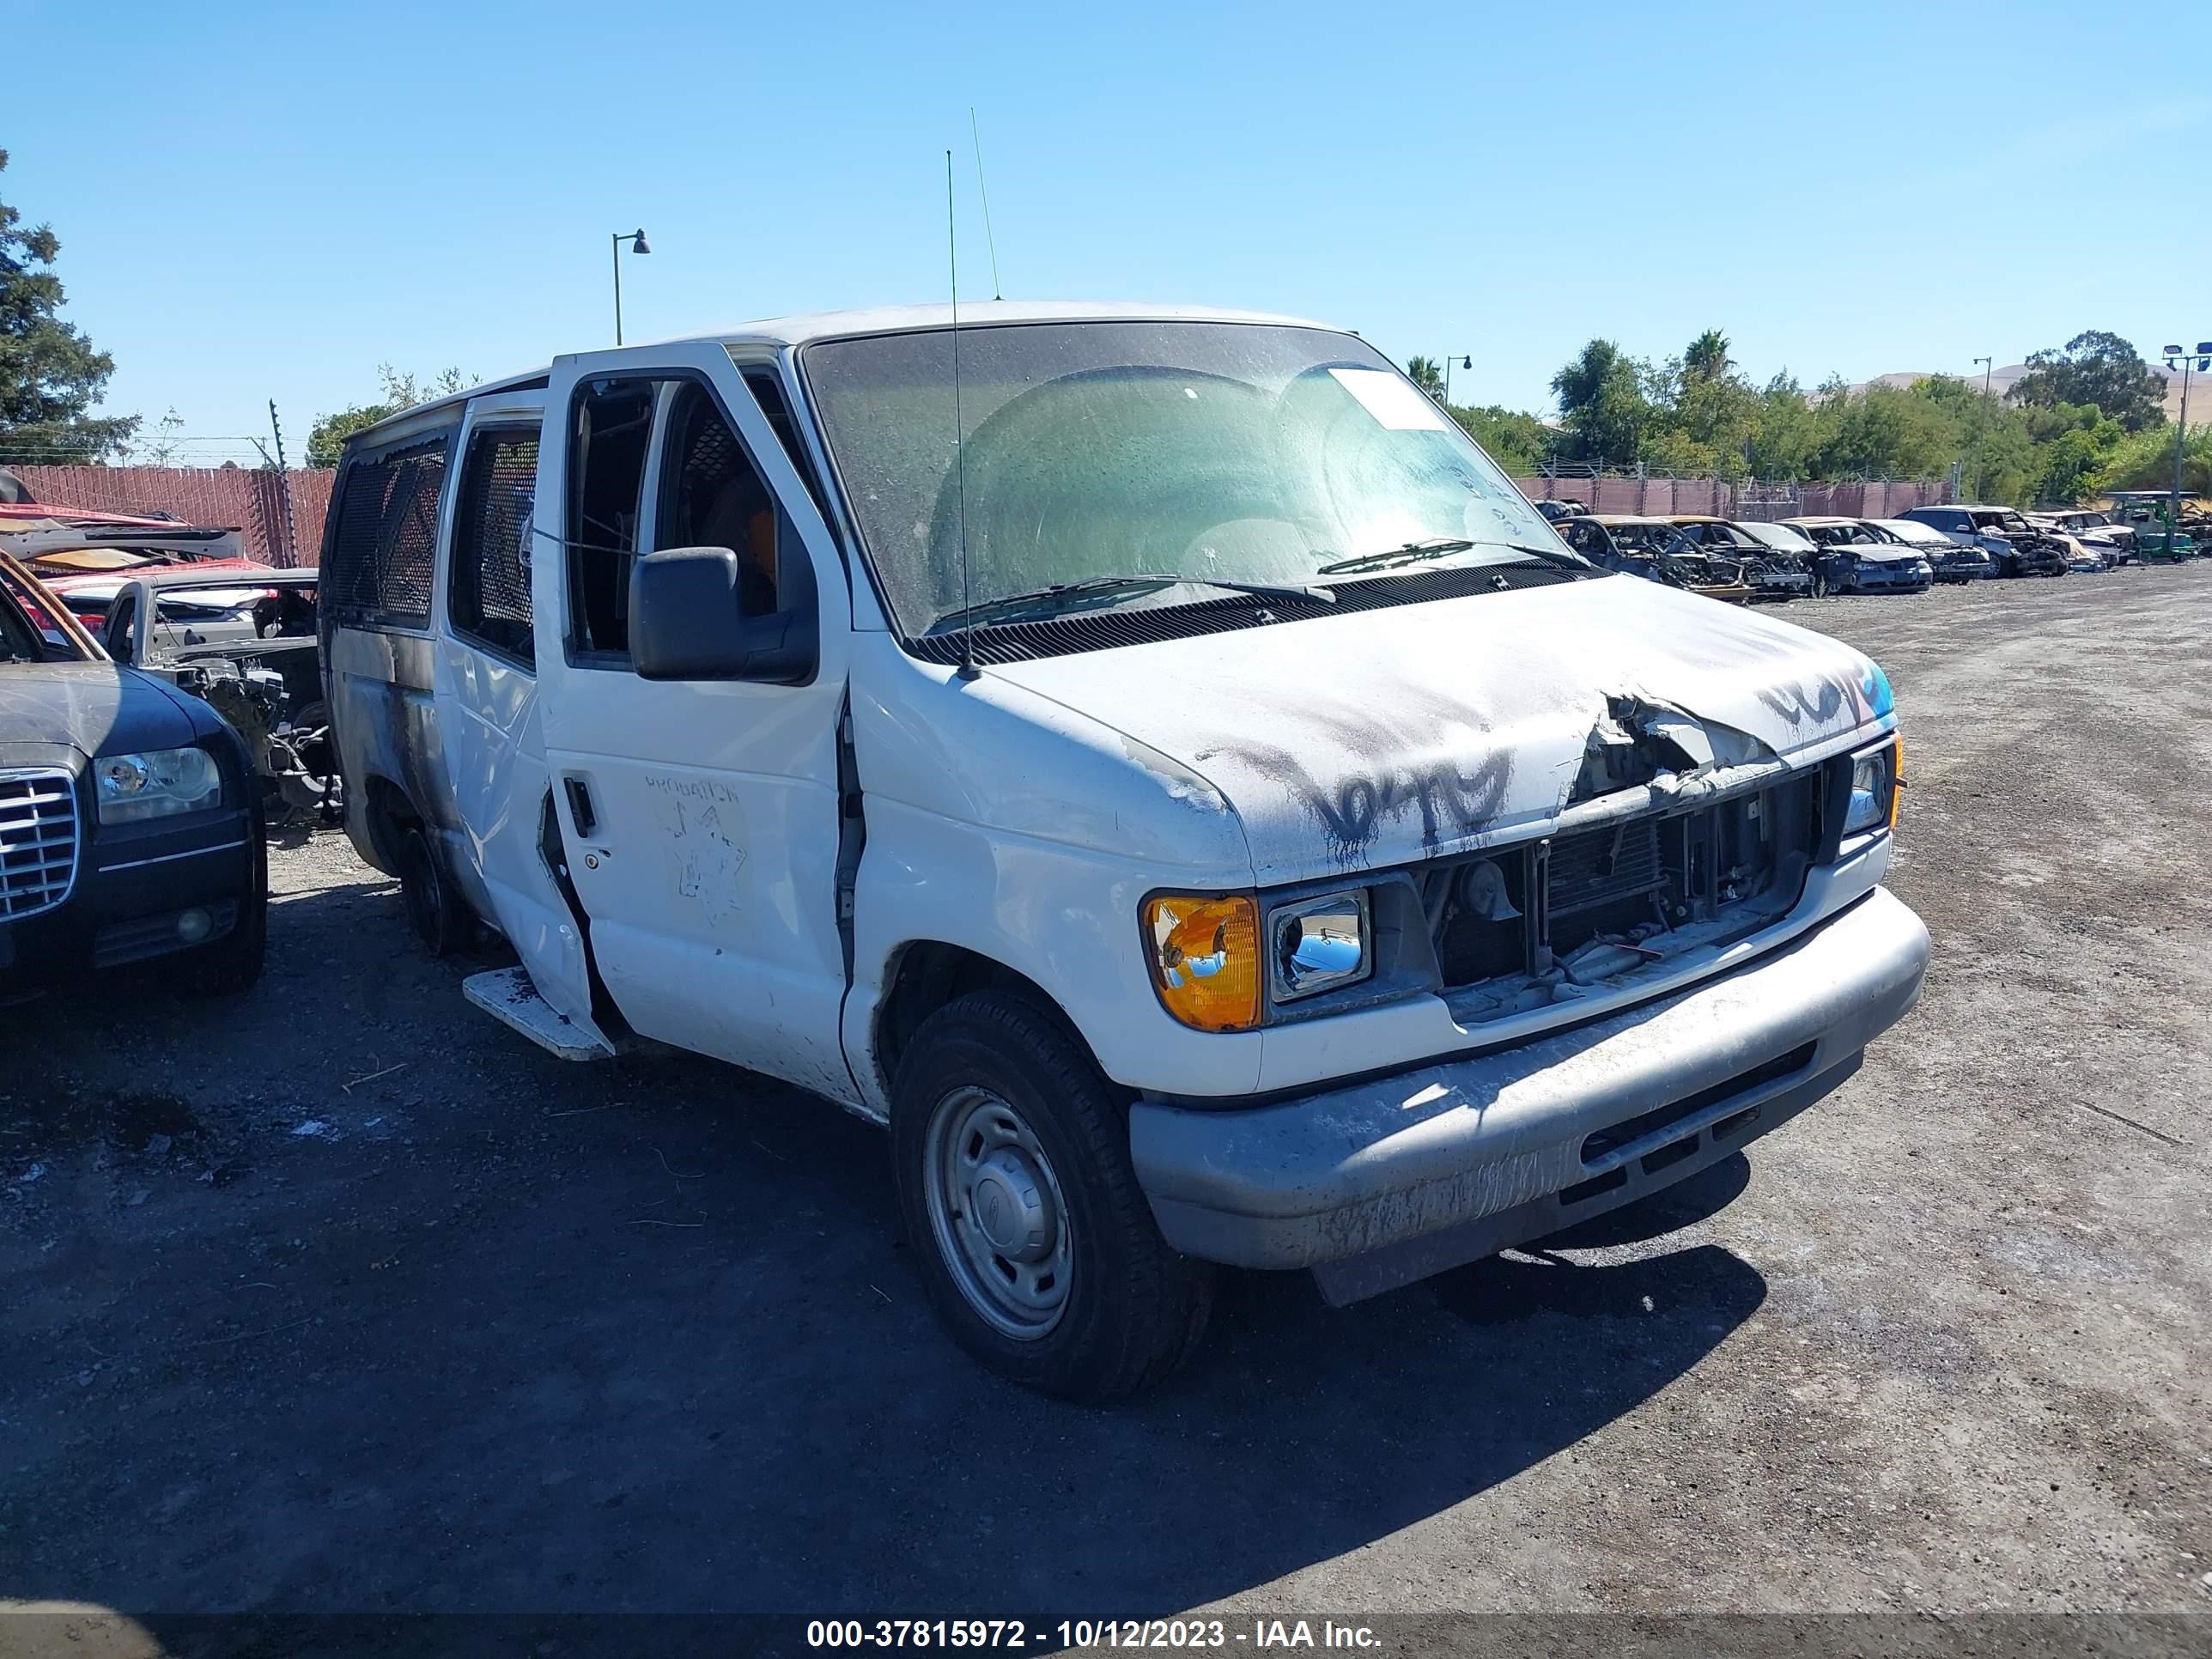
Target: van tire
1134,1309
435,911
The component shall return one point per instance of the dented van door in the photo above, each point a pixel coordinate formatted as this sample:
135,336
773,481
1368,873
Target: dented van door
699,816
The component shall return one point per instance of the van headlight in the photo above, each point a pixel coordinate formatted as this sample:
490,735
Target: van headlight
1877,781
1204,959
154,784
1317,944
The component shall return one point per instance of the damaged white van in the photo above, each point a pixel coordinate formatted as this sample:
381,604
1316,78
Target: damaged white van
1151,759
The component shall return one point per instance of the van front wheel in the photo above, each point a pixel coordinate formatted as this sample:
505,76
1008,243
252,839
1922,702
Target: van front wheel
1011,1154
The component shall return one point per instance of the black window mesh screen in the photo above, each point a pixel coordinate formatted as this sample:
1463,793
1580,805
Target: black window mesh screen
378,561
711,458
490,596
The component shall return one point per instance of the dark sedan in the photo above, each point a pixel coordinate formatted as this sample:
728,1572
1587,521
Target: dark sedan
130,821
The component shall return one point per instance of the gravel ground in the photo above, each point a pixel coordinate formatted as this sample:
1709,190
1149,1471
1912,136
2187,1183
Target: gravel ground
339,1297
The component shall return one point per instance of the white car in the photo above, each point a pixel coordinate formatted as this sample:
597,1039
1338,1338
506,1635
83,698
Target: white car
2089,533
1194,801
1947,560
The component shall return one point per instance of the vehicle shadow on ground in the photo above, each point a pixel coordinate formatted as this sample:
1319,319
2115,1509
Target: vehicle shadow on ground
643,1337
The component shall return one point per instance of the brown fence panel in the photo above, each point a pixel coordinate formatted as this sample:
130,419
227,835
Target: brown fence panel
249,500
1896,496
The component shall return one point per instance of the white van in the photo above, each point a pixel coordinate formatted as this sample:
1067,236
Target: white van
1149,758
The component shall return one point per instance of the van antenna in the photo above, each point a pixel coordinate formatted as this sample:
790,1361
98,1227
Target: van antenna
984,191
967,669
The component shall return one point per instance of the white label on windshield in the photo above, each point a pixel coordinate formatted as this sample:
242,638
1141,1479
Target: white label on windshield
1396,404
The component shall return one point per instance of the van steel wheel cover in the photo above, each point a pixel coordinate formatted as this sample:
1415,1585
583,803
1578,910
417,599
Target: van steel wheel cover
996,1211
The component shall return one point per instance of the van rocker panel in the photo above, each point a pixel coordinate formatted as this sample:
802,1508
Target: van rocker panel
1347,1172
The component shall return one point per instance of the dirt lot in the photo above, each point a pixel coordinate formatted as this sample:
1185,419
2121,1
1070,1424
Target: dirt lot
341,1298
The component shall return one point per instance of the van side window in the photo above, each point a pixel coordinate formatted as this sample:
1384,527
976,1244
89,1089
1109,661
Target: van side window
768,392
488,596
711,496
613,426
383,537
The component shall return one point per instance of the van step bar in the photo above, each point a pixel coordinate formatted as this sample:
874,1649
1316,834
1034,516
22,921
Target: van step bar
507,995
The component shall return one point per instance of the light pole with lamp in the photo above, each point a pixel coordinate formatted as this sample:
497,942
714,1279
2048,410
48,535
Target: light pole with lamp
1988,369
2200,360
636,246
1466,361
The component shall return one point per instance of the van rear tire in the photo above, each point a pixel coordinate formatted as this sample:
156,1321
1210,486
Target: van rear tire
438,915
1037,1246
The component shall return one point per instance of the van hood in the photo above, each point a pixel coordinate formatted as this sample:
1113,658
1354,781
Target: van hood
1385,736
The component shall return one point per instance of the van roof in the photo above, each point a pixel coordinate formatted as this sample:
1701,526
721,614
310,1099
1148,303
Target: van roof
808,327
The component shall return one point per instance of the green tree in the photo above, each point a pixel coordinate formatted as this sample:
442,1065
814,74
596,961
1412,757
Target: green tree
2098,369
326,438
1887,431
1707,357
1518,442
2074,443
2144,461
1786,431
50,375
1603,402
1428,374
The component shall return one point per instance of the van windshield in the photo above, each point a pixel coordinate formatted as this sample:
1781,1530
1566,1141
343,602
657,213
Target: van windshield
1222,452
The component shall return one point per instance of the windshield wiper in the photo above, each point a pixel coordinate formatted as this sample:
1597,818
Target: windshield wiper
1406,553
1050,599
1437,546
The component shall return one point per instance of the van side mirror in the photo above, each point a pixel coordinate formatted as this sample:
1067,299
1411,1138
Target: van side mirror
687,621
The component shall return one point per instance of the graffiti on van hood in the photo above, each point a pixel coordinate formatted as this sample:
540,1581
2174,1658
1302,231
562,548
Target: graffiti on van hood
1384,737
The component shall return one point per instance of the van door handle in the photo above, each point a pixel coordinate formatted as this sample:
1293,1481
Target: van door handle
579,806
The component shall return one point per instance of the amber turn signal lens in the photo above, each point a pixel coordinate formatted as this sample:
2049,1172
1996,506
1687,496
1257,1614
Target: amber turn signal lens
1896,779
1205,957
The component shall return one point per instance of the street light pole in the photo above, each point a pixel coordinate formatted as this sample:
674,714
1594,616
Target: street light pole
1988,368
2200,359
636,246
1466,361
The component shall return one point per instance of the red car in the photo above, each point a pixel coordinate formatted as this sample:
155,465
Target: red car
84,557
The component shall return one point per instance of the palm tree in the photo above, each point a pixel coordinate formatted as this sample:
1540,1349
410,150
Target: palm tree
1708,355
1428,374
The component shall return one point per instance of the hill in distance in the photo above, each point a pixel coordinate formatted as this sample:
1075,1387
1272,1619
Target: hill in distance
2002,378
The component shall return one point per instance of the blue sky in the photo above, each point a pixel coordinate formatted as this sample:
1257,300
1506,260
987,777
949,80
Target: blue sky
260,202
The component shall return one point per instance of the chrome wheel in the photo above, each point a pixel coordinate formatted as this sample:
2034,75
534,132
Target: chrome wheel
996,1209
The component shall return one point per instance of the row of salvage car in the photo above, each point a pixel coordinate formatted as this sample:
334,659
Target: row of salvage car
1743,561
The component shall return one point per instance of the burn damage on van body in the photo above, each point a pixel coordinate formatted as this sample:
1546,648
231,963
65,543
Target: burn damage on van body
1458,780
1452,798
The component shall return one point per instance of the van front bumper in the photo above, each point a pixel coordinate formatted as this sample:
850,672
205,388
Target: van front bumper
1377,1183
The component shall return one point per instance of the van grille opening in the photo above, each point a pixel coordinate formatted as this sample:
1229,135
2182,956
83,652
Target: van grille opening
1590,905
